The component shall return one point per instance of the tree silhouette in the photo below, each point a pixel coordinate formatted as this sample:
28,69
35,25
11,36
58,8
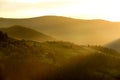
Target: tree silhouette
3,36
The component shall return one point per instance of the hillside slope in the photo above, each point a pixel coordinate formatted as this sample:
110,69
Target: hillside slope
114,45
20,32
30,60
78,31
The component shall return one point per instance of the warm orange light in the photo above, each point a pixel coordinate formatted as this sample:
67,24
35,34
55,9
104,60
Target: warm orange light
87,9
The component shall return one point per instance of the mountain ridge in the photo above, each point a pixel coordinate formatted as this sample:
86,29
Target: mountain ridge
20,32
96,32
55,16
114,45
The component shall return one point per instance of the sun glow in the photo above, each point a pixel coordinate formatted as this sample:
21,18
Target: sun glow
87,9
28,1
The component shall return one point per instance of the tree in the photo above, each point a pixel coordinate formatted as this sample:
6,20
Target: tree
3,36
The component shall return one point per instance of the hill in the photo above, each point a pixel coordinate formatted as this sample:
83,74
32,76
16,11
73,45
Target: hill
114,45
95,32
20,32
30,60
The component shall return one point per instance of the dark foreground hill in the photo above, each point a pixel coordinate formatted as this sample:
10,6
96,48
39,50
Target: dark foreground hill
20,32
30,60
75,30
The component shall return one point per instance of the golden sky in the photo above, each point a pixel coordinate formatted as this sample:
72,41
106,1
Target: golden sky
82,9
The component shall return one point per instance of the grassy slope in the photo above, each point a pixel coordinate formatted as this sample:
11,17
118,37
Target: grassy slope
20,32
75,30
29,60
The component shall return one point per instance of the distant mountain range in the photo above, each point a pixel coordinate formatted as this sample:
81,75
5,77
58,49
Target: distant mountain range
27,52
20,32
95,32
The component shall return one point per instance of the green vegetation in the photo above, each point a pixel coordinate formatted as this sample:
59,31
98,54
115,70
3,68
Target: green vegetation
56,60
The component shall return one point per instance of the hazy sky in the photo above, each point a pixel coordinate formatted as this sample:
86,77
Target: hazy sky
85,9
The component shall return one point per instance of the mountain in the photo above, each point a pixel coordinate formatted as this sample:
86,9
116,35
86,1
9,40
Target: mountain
114,45
56,60
20,32
95,32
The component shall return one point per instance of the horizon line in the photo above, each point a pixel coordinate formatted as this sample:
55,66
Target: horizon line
56,16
